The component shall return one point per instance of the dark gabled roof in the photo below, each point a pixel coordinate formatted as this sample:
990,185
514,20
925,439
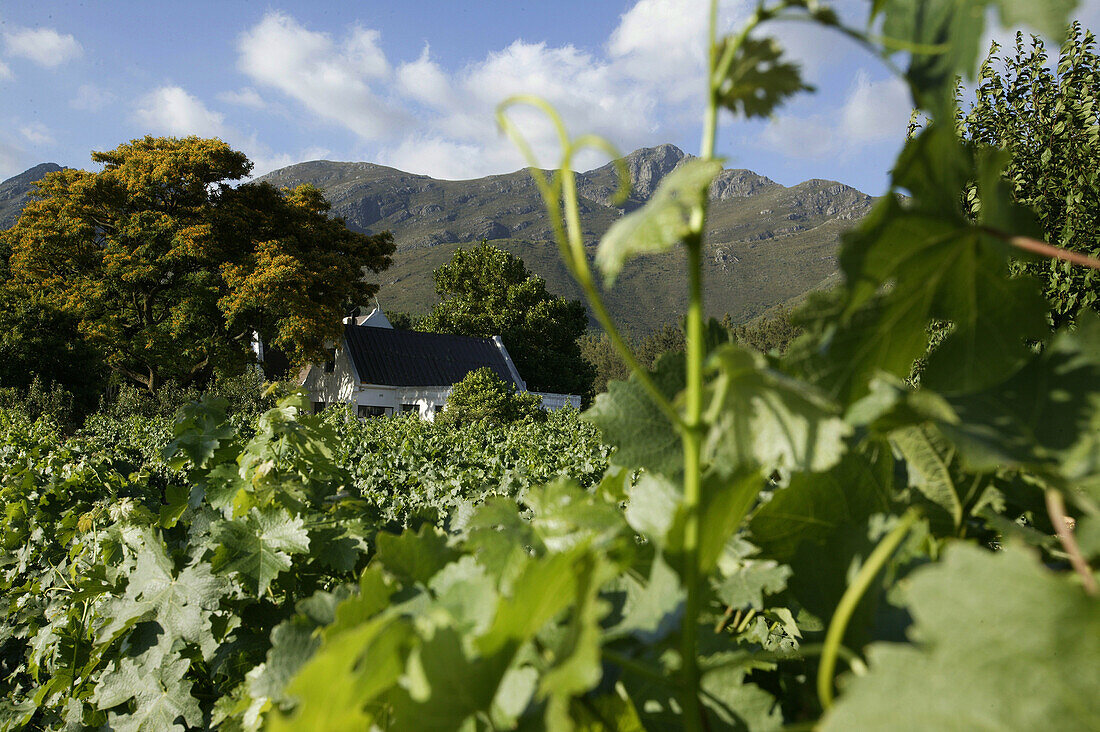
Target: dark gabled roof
390,357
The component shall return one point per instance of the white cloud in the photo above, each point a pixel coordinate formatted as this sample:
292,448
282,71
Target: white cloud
37,134
246,97
812,137
13,160
874,113
91,98
5,71
424,81
171,110
645,86
328,78
264,160
44,46
876,110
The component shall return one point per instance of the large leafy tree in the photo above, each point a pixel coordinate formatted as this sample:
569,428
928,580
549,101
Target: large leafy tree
169,268
487,291
1047,117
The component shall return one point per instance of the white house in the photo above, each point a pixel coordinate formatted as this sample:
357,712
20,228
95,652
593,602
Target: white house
382,370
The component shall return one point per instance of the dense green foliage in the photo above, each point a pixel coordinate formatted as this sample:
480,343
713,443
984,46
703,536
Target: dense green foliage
1048,121
166,269
156,573
770,332
764,515
482,396
609,365
486,291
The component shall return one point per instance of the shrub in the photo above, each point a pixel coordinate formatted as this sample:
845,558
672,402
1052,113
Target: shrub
484,397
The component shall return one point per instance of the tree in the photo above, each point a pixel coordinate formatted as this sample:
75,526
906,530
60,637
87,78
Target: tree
486,291
1049,123
482,396
169,269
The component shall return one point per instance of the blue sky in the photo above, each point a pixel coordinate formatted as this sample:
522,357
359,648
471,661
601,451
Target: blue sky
413,84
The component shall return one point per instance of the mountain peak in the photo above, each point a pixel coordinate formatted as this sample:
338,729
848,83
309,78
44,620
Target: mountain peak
13,191
649,165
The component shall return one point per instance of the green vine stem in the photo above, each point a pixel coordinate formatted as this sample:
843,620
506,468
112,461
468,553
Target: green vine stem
850,600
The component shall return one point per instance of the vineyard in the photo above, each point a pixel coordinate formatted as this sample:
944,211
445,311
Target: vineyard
893,525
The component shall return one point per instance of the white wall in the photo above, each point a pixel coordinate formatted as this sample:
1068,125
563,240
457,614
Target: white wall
550,402
337,387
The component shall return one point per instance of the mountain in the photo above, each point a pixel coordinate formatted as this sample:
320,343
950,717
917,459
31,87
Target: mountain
13,192
766,243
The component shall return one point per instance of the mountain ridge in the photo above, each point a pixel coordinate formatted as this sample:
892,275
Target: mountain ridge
766,243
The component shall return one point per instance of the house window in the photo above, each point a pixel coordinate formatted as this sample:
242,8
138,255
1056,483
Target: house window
330,362
365,411
409,408
318,407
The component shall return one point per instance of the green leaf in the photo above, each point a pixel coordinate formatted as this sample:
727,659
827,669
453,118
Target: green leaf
158,690
822,527
757,82
664,221
814,508
258,547
655,510
467,592
745,581
338,687
652,609
414,556
934,469
577,669
546,587
935,264
763,418
443,686
292,644
630,421
1046,418
965,608
565,515
180,603
952,33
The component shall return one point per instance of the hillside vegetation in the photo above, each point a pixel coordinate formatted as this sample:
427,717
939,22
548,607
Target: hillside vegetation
767,243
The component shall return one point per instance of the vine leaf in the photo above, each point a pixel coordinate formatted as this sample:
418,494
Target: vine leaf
964,607
953,32
443,686
664,221
933,467
641,433
258,547
819,525
337,685
934,263
757,81
763,418
179,603
1046,418
160,695
414,556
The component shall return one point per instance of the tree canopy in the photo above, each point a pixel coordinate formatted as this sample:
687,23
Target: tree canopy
1048,121
169,268
486,291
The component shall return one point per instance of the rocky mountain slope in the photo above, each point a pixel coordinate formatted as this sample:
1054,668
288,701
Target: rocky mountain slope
766,244
13,192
